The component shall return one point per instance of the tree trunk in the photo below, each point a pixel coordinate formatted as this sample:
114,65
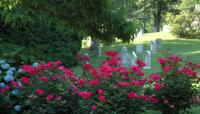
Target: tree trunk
157,20
158,16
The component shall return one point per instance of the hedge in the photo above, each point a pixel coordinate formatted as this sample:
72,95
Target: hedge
39,42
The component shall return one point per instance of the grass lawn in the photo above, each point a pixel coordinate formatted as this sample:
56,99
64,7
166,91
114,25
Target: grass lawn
189,49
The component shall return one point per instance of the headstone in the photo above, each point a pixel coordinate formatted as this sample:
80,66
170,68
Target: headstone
165,28
153,46
140,33
147,59
154,29
123,51
139,48
125,59
100,51
95,47
159,43
91,44
133,58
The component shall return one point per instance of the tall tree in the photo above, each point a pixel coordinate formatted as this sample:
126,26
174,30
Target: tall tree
102,19
157,8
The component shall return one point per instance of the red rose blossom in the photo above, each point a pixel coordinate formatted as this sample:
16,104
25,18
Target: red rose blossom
100,91
175,58
14,83
43,78
50,97
54,78
25,80
39,92
158,86
29,69
123,84
137,70
140,63
102,98
111,53
155,77
166,68
132,95
81,82
93,82
85,95
162,60
3,90
138,82
93,107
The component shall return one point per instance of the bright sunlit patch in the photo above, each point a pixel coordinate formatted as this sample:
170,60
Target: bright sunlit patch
194,52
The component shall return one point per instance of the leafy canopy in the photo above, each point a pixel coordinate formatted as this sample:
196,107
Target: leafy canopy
103,19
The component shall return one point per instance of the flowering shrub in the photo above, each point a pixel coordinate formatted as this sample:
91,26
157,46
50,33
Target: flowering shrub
174,86
111,88
47,88
9,88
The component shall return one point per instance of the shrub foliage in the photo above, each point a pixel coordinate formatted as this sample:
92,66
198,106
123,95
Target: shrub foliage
39,43
110,88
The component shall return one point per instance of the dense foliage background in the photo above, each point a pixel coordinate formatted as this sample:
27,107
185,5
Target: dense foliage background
39,43
186,23
53,29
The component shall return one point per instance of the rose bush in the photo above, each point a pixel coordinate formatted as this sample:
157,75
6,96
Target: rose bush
175,85
47,88
110,88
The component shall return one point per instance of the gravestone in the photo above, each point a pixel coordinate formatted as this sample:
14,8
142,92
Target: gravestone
139,48
153,46
154,29
140,33
159,43
95,47
125,59
147,59
133,58
123,51
165,28
100,51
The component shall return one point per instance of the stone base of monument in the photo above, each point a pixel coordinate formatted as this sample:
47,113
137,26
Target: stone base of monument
147,67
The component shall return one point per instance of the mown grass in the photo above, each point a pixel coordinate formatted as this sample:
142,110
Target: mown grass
189,49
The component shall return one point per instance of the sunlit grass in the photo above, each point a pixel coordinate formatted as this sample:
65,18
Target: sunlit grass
188,48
